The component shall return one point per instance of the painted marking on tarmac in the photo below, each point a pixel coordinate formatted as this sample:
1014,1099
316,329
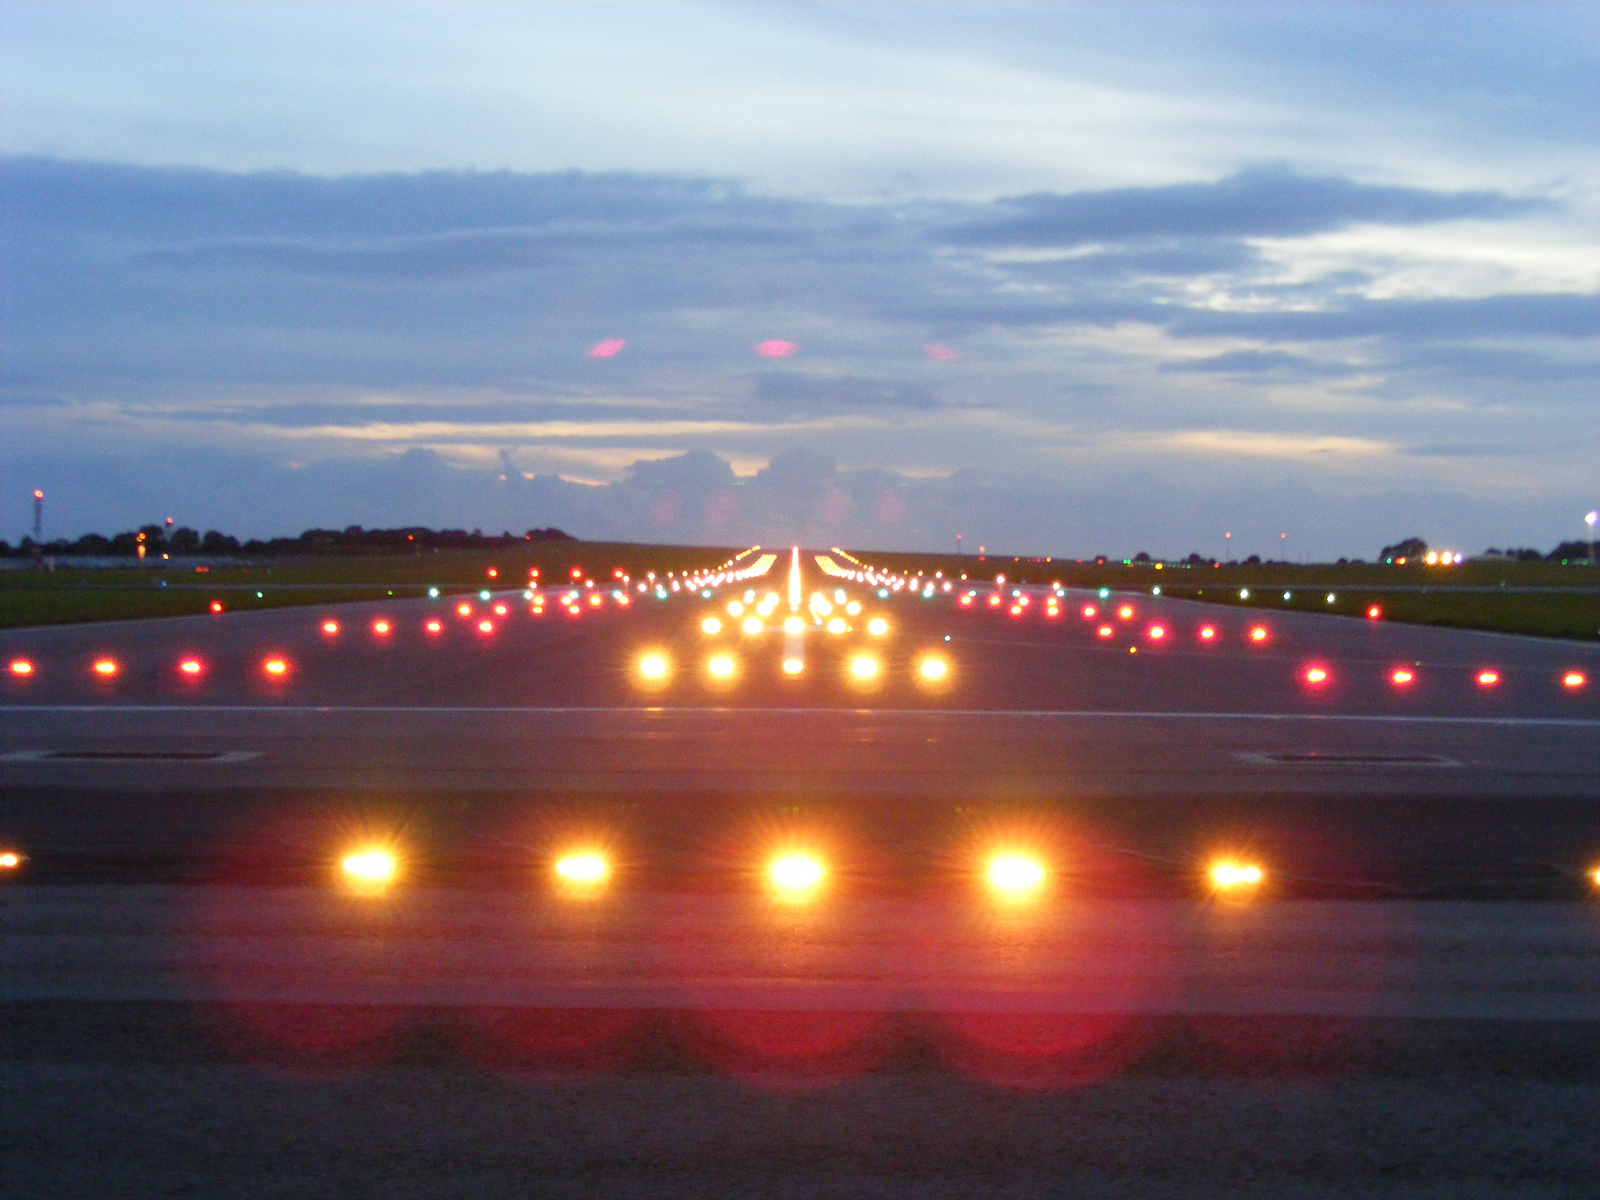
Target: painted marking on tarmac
1317,758
131,756
762,710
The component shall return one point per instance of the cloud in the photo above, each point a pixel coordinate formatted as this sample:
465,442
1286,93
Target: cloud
1262,202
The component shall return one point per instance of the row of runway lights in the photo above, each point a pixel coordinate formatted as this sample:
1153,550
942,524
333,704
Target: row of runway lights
789,874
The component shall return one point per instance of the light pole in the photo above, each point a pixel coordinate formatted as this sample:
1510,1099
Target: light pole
1227,545
38,516
1589,520
958,543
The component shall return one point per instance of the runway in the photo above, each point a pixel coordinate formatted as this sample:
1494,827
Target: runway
180,948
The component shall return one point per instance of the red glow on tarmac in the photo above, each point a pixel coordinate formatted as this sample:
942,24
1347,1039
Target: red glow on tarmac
1374,613
21,667
1488,678
777,348
216,606
1207,633
940,353
191,666
1402,677
609,348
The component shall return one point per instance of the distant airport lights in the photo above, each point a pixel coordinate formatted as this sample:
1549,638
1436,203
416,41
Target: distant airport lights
1208,633
794,625
721,667
485,626
433,626
1090,612
654,667
330,628
275,668
836,625
1402,677
877,627
215,606
193,668
751,626
1258,634
793,666
1125,613
933,669
21,668
1105,631
1488,678
864,668
1573,680
1316,675
463,610
711,625
380,628
106,668
1374,613
10,860
1156,633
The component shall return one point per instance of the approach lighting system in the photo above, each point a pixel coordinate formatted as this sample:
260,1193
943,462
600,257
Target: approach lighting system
795,874
793,666
463,610
370,869
933,669
1157,632
380,628
434,627
1014,874
721,666
877,627
654,667
711,625
1208,633
1125,612
1231,875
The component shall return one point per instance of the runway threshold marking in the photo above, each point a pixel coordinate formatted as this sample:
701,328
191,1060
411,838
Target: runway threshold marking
1010,714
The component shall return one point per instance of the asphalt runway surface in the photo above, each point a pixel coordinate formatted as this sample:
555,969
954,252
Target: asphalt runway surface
195,1003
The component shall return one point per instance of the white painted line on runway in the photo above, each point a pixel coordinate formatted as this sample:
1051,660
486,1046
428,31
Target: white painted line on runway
163,757
1011,714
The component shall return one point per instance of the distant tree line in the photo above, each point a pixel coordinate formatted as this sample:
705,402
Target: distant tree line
184,542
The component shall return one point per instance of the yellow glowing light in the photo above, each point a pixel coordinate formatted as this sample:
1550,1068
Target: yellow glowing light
190,666
735,608
21,666
105,666
933,669
1258,634
330,627
1229,874
1014,873
1573,679
1125,612
877,626
711,625
720,666
793,666
795,872
794,625
380,627
464,610
751,625
585,869
370,869
853,608
10,860
836,625
820,606
653,666
275,667
864,667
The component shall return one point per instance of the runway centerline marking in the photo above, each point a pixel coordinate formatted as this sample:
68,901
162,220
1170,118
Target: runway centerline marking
707,711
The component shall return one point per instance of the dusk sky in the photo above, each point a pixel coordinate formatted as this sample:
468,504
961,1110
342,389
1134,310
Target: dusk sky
1062,279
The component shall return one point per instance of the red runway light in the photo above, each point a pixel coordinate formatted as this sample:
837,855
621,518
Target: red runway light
105,667
191,666
1374,612
1157,632
330,627
1488,678
994,601
966,601
485,626
1090,612
493,573
1105,631
381,628
1126,612
1258,633
216,606
1573,679
1316,675
499,610
277,668
1016,611
1207,633
433,627
463,610
1402,677
21,666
